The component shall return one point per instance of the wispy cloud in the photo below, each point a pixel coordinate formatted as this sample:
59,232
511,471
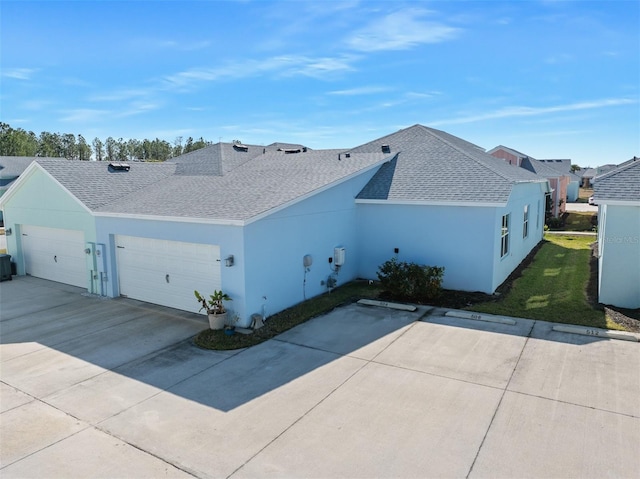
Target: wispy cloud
401,30
284,65
525,111
83,115
19,73
363,90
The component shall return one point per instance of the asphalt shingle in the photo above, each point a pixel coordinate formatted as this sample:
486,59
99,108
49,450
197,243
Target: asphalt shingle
621,184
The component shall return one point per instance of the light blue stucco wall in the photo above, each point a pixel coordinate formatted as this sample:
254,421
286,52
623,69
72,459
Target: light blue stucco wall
39,201
573,190
619,249
463,239
275,247
522,194
459,238
229,238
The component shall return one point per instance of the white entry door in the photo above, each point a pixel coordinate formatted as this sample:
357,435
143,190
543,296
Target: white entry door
55,254
166,272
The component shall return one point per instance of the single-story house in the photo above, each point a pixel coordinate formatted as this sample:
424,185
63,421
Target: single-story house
564,166
617,194
558,180
274,225
587,175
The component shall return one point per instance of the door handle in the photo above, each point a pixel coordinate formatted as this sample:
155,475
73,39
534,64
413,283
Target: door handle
166,278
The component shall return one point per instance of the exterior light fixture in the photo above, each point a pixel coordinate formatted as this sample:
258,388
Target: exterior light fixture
228,262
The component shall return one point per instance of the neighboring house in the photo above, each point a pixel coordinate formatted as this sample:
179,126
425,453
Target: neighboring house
564,166
274,225
11,167
587,175
617,194
558,180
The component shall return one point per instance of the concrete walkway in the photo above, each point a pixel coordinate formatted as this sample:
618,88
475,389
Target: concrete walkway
114,388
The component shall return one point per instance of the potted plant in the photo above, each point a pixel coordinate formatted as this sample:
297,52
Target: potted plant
214,307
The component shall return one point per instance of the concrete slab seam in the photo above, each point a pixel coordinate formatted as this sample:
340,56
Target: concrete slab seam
365,363
504,391
597,332
160,458
560,401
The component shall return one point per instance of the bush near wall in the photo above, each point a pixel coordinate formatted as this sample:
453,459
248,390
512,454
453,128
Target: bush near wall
410,281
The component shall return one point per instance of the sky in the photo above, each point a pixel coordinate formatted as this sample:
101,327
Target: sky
552,79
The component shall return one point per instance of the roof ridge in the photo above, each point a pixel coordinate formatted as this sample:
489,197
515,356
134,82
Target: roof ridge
480,162
619,169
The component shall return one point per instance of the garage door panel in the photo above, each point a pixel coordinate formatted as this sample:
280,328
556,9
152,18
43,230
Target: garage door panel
166,272
54,254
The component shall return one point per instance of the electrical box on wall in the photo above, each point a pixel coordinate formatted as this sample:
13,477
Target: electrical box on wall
338,256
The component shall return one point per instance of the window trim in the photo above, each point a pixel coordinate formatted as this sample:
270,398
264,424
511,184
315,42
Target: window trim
525,225
504,235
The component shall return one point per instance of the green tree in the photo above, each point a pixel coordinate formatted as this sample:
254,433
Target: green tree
575,168
50,144
98,148
84,150
17,142
111,149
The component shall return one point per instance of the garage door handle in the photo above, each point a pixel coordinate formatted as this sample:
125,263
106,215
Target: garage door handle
166,278
55,258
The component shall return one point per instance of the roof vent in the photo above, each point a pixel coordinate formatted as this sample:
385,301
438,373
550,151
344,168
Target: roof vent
289,151
347,155
119,166
239,146
386,148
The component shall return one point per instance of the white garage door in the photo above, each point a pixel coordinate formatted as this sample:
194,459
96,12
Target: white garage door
55,254
166,272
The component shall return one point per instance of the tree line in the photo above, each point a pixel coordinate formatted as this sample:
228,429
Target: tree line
19,142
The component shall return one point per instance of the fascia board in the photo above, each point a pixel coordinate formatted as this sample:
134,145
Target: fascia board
475,204
617,202
177,219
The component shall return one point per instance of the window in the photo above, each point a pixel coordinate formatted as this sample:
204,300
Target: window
504,236
525,227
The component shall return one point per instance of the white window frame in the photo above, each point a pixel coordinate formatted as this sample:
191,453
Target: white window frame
504,235
525,226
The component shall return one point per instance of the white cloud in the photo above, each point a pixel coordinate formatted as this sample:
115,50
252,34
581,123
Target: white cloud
401,30
364,90
284,65
19,73
84,115
525,111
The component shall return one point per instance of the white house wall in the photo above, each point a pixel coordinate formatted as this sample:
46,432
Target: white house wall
460,238
619,263
229,238
275,247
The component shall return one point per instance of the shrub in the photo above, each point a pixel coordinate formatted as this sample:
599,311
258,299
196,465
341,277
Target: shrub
554,223
410,281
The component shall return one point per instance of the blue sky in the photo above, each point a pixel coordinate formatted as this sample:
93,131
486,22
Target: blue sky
552,79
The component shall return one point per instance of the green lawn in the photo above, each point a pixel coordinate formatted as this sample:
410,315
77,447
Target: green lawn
577,221
553,287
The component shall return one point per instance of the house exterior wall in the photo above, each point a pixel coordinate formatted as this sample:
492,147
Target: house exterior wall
619,261
275,247
228,237
573,191
460,238
40,201
466,240
508,157
531,194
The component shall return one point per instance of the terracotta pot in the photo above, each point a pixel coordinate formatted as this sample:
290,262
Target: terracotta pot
217,321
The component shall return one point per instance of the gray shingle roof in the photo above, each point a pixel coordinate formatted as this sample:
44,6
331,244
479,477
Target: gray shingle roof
621,184
266,182
435,166
13,166
541,168
95,184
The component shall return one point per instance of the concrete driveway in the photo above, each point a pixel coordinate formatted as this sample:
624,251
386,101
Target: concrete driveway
114,388
581,207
